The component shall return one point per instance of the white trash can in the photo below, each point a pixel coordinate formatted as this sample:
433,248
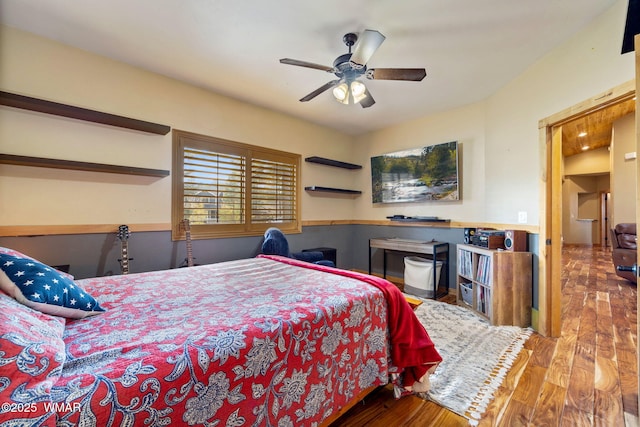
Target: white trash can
418,276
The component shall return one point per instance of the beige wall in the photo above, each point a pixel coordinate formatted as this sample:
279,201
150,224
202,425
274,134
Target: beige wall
500,140
500,151
465,125
586,177
41,68
589,162
623,178
581,208
588,64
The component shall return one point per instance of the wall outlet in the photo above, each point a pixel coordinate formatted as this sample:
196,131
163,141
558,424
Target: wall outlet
522,217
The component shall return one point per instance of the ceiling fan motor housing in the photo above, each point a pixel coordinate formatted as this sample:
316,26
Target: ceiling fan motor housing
344,69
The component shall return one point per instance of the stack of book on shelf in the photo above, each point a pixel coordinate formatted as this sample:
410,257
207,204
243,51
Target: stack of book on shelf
484,300
466,265
484,269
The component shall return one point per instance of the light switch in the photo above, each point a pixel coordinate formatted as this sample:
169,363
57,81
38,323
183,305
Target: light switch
522,217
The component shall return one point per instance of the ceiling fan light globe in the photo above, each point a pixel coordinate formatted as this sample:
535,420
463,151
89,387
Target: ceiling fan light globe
358,88
358,91
341,93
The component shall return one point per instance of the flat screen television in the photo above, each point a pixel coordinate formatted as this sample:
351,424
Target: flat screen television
418,175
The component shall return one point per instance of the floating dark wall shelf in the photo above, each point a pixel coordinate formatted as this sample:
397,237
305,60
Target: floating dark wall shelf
332,190
11,159
42,106
329,162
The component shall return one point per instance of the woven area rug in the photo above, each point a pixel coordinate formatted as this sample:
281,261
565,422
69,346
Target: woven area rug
475,357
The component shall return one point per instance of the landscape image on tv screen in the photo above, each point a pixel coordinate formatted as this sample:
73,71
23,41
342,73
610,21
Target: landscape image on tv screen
421,174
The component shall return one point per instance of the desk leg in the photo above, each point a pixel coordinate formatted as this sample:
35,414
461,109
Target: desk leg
384,264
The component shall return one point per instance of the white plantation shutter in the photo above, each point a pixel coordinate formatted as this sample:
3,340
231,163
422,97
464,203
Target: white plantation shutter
214,185
273,192
226,188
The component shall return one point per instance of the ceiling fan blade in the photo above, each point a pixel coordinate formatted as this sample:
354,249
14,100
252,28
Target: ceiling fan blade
368,42
290,61
318,91
368,101
412,74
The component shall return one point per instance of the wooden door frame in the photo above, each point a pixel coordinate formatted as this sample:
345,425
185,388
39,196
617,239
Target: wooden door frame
550,237
637,84
605,216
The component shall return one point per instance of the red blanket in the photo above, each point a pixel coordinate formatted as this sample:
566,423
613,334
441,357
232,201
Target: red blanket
411,347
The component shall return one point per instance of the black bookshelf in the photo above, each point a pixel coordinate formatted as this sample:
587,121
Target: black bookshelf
329,162
314,188
79,113
11,159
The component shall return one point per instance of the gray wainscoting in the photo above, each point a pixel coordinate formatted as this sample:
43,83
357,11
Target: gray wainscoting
90,255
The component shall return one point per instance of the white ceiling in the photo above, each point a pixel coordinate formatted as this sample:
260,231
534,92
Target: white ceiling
470,48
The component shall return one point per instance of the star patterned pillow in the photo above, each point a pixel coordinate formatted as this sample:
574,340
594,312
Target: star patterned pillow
9,251
44,288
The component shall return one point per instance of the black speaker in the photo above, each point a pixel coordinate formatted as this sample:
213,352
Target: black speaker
468,235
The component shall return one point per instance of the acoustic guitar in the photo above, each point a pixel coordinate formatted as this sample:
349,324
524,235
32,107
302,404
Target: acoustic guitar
187,234
123,235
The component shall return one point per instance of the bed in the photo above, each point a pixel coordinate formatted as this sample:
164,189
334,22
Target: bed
266,341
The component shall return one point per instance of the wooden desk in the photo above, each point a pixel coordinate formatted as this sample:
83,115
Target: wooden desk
437,251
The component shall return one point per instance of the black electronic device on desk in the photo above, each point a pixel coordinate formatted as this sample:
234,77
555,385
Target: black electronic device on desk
402,218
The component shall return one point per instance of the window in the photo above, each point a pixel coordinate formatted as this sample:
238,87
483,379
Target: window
226,188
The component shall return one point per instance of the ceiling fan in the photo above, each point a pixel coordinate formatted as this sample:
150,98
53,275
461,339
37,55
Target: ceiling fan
349,67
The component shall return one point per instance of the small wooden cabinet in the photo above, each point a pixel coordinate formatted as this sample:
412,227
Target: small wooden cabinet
495,284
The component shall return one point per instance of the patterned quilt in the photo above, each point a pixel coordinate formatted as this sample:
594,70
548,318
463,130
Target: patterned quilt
241,343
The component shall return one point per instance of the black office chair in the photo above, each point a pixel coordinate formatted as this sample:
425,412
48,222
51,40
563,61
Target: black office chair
275,243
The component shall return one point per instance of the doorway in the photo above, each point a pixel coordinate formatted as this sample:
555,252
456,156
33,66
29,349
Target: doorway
551,140
582,216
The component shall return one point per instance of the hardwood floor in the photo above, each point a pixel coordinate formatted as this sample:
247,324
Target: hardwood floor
586,377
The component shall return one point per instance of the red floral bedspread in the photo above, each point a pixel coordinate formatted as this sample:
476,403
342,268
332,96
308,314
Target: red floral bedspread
413,354
241,343
250,342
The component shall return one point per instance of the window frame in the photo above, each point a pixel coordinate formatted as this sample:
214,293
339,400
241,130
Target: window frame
184,139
